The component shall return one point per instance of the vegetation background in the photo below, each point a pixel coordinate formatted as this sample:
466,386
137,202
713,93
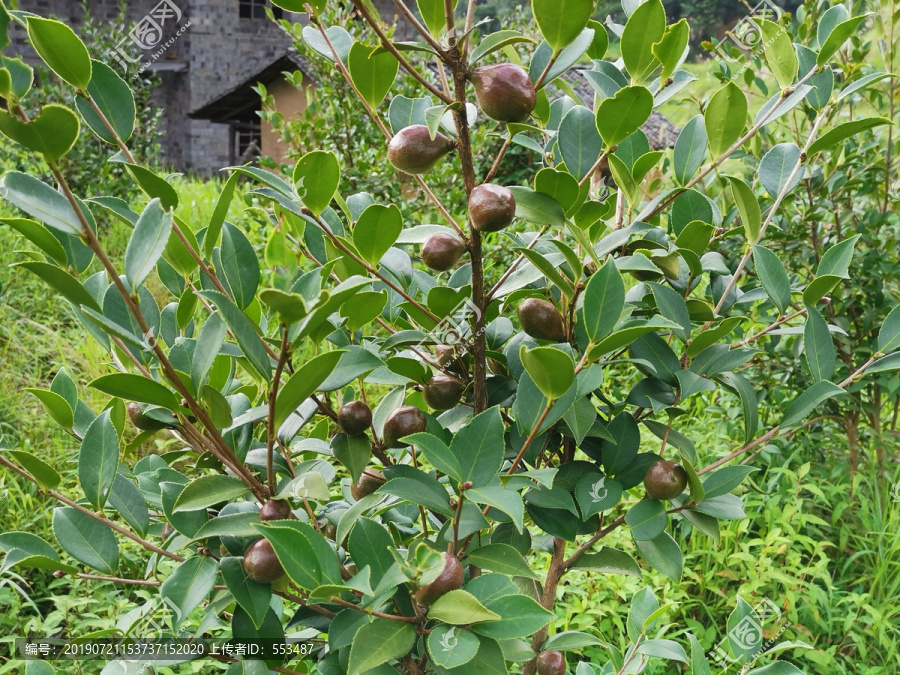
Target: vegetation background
822,538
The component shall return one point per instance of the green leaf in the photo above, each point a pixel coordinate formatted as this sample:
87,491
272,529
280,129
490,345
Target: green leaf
379,642
775,668
438,454
206,349
38,668
773,277
154,185
232,525
725,118
240,265
370,545
479,447
663,554
128,501
578,141
699,662
647,519
495,41
373,71
844,131
744,643
604,301
305,555
316,177
136,388
303,383
209,490
452,647
353,452
508,501
56,406
748,207
61,50
670,48
672,306
29,543
244,332
621,115
460,608
571,639
833,267
252,596
725,480
62,282
645,27
818,346
52,133
664,649
537,207
220,212
40,201
43,473
98,460
422,490
748,401
112,95
376,231
889,334
779,52
404,112
609,560
355,362
806,402
85,539
690,149
147,242
176,252
189,585
779,169
596,493
561,21
432,12
837,37
501,558
520,616
40,236
552,370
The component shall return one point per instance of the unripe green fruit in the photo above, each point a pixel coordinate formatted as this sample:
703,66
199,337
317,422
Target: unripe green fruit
665,479
413,150
443,392
369,481
354,418
551,662
504,92
491,207
260,562
404,421
450,579
276,509
541,320
441,252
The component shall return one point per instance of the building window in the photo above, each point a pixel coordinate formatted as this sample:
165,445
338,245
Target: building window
256,9
246,142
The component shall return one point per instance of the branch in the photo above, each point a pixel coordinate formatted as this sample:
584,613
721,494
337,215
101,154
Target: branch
516,263
273,394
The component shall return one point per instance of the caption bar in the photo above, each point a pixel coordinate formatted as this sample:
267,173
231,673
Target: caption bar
164,649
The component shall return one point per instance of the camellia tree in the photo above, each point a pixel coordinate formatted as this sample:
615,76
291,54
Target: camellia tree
378,432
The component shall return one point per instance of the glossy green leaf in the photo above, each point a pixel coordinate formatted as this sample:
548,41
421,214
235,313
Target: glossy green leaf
699,662
779,169
207,491
460,608
61,50
306,557
404,111
432,12
303,383
189,585
663,554
46,476
779,53
128,501
220,212
52,133
725,118
316,177
379,642
62,282
40,236
645,27
147,242
578,141
690,149
376,231
421,489
670,48
647,519
370,545
506,500
724,480
609,560
672,306
40,201
112,95
818,346
552,370
664,649
501,558
843,131
520,616
131,387
537,207
85,539
806,402
561,21
889,334
353,452
209,343
240,265
773,277
836,38
98,460
155,186
452,647
621,115
244,332
252,596
373,71
56,406
495,41
748,207
604,301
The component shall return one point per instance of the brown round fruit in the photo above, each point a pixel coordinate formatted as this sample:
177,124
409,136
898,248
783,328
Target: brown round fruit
504,92
404,421
665,479
354,418
491,207
413,150
141,420
541,320
551,662
276,509
369,481
443,392
443,354
450,579
441,252
260,562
